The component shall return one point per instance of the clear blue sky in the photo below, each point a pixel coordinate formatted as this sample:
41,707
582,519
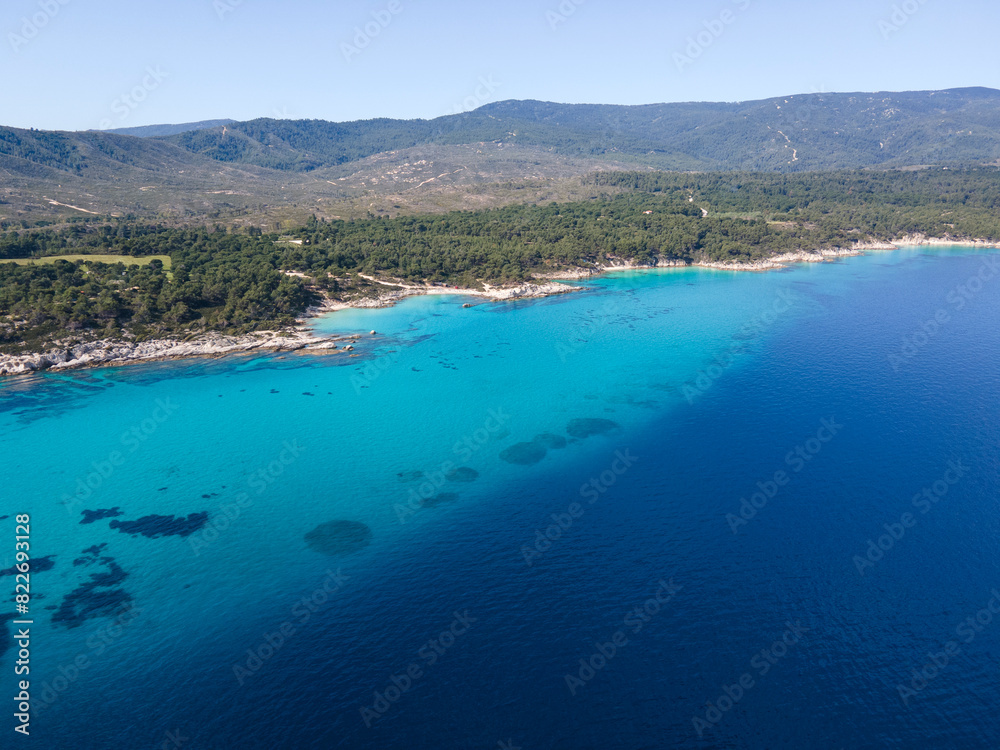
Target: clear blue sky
286,59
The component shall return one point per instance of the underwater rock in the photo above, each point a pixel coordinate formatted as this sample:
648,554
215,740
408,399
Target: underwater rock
38,565
154,526
409,476
523,454
91,555
584,428
439,499
90,516
101,596
463,474
339,537
550,441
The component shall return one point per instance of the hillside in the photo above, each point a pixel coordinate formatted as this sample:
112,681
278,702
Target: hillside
795,133
279,172
151,131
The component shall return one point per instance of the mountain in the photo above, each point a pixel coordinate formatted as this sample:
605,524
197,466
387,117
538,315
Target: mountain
795,133
151,131
509,151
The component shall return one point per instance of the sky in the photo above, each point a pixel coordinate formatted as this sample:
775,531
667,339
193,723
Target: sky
83,64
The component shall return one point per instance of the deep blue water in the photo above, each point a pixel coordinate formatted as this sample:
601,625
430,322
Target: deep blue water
708,396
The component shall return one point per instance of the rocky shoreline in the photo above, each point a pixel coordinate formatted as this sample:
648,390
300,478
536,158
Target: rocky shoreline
777,261
111,352
108,352
400,291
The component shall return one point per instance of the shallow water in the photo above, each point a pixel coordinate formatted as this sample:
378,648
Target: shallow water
678,393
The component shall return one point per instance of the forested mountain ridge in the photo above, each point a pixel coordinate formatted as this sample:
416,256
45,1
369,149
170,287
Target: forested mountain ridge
152,131
275,173
794,133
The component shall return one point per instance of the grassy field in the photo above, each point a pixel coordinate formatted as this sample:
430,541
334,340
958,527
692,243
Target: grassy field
128,260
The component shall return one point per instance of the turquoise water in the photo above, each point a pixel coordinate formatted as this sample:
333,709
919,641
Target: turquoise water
697,384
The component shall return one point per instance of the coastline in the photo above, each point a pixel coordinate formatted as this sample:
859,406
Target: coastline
299,338
400,291
111,352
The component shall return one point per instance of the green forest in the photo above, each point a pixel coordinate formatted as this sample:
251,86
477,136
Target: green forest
237,282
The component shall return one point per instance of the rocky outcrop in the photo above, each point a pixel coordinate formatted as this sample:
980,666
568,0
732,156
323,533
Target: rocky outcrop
778,261
544,288
114,352
923,239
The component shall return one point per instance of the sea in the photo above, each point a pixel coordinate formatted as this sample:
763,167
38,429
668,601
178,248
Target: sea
676,508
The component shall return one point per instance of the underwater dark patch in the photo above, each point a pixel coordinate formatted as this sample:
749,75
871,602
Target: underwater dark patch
101,596
91,555
90,516
339,537
38,565
439,499
523,454
588,427
409,476
550,440
154,526
463,474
